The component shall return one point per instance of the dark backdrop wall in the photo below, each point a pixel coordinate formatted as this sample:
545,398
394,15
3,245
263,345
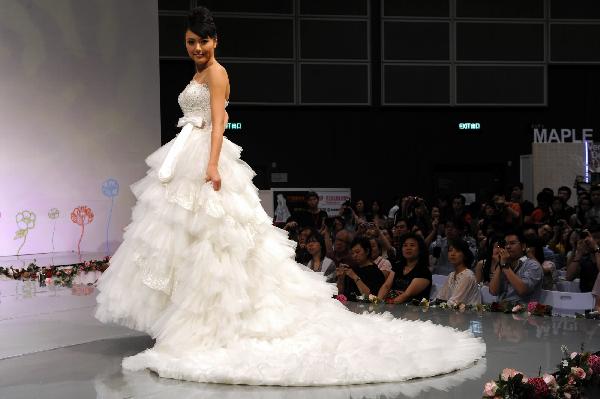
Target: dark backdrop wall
382,150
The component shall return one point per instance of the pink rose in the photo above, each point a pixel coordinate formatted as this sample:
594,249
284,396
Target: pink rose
578,373
489,390
509,373
539,386
49,281
550,381
517,309
531,306
573,355
87,263
342,298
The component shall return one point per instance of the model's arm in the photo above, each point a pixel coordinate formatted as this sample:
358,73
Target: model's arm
217,84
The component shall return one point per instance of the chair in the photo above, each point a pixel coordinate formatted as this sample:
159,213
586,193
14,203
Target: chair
568,300
486,296
439,279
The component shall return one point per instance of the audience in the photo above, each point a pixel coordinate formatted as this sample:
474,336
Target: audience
410,277
363,279
315,245
395,252
461,285
454,229
517,277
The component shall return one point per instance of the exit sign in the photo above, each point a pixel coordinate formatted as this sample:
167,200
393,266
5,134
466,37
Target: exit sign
469,126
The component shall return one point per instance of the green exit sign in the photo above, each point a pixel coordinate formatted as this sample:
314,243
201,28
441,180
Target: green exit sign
469,126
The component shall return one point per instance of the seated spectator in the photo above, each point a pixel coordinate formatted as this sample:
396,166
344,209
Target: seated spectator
564,193
518,278
340,252
410,277
383,264
376,215
535,250
525,207
454,228
302,255
348,216
459,211
578,219
460,286
315,245
592,216
360,211
363,279
584,263
542,213
485,268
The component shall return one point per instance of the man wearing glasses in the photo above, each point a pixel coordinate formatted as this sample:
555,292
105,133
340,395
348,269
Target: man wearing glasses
516,278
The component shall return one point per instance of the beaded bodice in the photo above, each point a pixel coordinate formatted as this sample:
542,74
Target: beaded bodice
194,101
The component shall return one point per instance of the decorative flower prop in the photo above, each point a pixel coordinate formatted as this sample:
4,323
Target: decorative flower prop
110,188
81,216
25,222
53,214
342,298
575,371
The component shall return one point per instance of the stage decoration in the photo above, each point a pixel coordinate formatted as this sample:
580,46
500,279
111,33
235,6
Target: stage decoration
110,188
53,214
575,372
532,308
25,222
82,215
61,276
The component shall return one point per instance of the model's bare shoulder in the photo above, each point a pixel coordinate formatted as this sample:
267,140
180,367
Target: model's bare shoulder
217,75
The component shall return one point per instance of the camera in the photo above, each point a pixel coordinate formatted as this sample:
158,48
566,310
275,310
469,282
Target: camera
501,243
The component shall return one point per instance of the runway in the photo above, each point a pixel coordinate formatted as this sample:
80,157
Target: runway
52,347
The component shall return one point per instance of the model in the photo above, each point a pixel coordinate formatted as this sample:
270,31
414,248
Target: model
203,270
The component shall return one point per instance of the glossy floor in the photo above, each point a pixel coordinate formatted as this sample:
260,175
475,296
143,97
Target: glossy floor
52,347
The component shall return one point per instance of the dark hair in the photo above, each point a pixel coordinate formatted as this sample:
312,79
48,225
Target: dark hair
423,260
538,246
519,184
493,239
457,222
311,194
315,236
461,197
200,21
462,246
517,233
364,243
565,188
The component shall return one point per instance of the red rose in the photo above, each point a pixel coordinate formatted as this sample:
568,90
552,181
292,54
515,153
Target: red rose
539,386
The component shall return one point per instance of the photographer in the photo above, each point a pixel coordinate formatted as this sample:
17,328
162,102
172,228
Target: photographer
349,216
516,278
363,279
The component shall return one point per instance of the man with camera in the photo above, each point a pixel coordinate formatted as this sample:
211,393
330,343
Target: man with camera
516,278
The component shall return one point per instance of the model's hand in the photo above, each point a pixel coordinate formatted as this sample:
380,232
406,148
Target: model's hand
212,175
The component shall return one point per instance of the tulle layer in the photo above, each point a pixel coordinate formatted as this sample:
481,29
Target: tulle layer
209,276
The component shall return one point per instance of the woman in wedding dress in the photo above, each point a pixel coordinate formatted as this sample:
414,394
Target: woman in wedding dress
203,270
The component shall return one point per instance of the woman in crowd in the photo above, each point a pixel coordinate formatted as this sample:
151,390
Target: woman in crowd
578,219
485,268
315,245
376,215
461,285
360,211
364,279
410,277
383,264
535,250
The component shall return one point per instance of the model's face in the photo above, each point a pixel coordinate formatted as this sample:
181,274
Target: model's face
200,49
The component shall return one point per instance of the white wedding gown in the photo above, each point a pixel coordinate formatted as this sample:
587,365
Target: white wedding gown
207,274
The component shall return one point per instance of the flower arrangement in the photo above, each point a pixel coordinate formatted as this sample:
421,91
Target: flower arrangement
54,275
532,308
575,371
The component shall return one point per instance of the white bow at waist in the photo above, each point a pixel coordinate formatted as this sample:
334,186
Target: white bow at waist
165,173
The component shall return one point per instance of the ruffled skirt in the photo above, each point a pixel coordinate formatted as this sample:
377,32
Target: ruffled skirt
207,274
